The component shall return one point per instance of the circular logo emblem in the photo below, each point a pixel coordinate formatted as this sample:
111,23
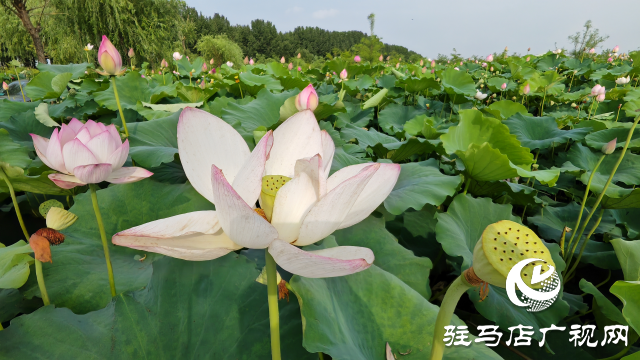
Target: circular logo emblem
533,299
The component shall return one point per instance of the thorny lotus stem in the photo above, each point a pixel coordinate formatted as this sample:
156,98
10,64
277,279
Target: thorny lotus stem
449,303
19,84
272,296
103,236
584,246
606,185
124,122
38,265
569,254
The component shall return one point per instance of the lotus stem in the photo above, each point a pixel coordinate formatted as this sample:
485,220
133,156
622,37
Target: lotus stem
584,245
606,185
542,106
569,254
38,264
449,303
124,122
19,84
272,296
103,236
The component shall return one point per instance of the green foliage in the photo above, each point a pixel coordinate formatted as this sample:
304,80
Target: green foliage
220,49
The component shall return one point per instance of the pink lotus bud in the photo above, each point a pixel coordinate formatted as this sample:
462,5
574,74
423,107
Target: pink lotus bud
610,60
397,65
609,147
164,63
307,99
528,58
529,49
109,58
615,49
433,63
421,62
5,86
142,76
282,61
399,59
595,90
299,56
212,71
506,48
87,154
602,90
503,86
299,68
490,58
177,56
246,60
381,58
202,85
204,67
491,69
290,66
188,58
526,89
433,71
211,61
131,53
251,62
152,72
592,51
484,64
448,61
357,58
343,74
461,63
388,57
424,69
456,68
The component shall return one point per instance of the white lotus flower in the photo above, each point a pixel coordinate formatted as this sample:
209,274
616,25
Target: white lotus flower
479,95
229,64
288,172
623,80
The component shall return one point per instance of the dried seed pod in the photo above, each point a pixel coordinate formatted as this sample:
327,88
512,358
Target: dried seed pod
54,237
504,244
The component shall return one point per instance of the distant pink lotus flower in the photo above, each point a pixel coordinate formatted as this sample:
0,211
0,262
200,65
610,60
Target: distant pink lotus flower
484,64
397,65
307,99
212,71
526,89
357,58
204,67
503,86
131,53
87,154
596,90
424,69
211,61
202,85
343,74
456,68
461,63
282,61
528,58
592,51
381,58
490,58
251,62
433,71
433,63
299,55
5,86
299,68
610,59
177,56
290,66
616,48
164,63
109,58
421,62
142,76
491,68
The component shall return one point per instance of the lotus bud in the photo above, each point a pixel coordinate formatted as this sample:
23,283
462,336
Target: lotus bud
164,63
246,60
484,64
595,90
251,62
433,71
211,61
424,69
202,85
307,99
299,56
503,245
204,67
109,58
448,61
282,61
528,58
490,58
506,48
131,53
5,87
461,63
503,86
343,74
616,48
397,65
399,59
60,219
529,49
573,105
456,68
421,62
600,97
299,68
290,67
492,69
357,58
609,147
592,51
526,89
551,103
177,56
610,60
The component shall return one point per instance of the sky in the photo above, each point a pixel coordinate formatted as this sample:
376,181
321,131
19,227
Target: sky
433,27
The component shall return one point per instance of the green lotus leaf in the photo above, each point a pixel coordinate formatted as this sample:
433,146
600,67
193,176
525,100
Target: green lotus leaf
458,82
375,99
419,184
185,66
393,117
542,132
11,153
154,142
631,200
218,307
365,138
552,220
628,253
259,82
495,84
600,138
460,227
9,108
13,303
363,82
508,108
607,308
47,85
263,111
37,183
632,108
131,89
77,278
76,70
14,265
42,114
413,85
629,293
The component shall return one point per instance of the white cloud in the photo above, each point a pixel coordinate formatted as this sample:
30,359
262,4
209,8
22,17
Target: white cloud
293,10
323,14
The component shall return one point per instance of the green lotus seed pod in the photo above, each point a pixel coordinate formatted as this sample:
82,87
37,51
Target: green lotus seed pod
503,245
59,219
270,186
47,205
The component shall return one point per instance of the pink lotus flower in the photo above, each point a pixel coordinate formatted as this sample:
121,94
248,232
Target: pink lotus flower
461,63
456,68
282,61
424,69
307,99
381,58
87,154
290,67
595,90
528,58
204,67
212,71
490,58
131,53
299,55
164,63
616,48
211,61
601,94
503,86
526,89
202,85
251,62
421,62
5,86
433,63
177,56
299,68
287,172
609,147
343,74
484,64
357,58
433,71
109,58
592,51
491,68
610,59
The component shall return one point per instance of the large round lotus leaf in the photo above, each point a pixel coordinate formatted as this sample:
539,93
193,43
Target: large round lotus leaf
458,82
542,132
628,253
600,138
495,84
131,89
629,293
507,108
189,309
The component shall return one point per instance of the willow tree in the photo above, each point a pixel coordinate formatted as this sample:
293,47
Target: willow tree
30,14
